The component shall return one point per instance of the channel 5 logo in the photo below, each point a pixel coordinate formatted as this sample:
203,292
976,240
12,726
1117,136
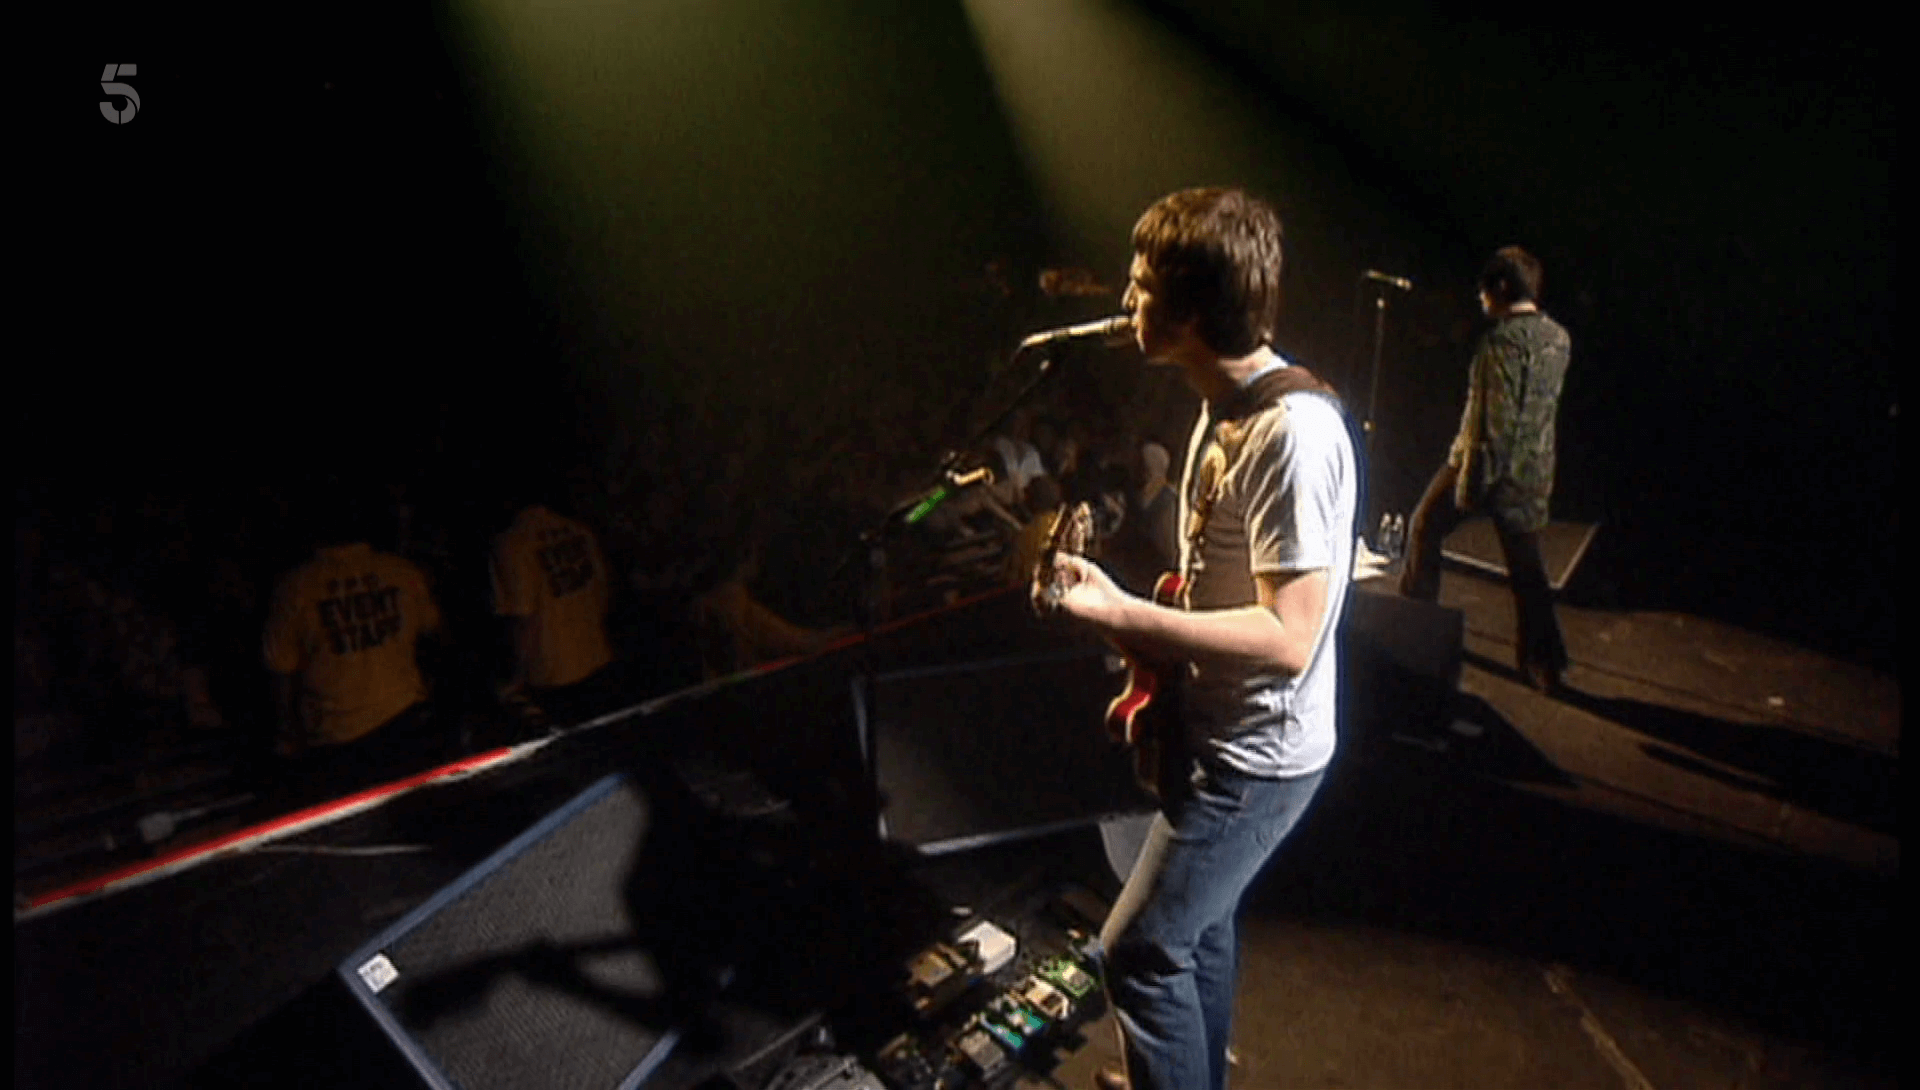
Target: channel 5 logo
109,82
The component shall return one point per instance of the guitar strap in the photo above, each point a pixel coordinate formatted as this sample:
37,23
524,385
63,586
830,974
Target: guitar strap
1230,430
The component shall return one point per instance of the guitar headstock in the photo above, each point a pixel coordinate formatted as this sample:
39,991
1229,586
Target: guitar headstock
1072,535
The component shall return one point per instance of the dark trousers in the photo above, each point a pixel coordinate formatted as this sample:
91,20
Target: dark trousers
409,743
595,695
1539,649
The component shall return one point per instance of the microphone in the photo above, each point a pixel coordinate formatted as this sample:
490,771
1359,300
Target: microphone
1106,327
1400,282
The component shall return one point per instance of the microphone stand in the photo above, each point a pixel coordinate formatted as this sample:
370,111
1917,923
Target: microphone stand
1373,373
1373,385
948,480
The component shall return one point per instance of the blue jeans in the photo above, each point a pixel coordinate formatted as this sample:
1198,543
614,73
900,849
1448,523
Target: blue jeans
1172,948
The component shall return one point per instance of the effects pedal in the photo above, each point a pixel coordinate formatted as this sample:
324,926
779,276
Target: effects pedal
1049,1001
937,976
992,948
981,1054
906,1066
1066,974
1011,1023
824,1073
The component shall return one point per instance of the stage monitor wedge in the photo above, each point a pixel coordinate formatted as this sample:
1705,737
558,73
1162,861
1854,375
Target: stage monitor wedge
594,950
1474,544
503,978
975,753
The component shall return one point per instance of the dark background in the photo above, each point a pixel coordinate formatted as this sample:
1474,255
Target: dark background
357,236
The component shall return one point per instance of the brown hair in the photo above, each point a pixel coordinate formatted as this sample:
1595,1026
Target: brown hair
1214,256
1511,276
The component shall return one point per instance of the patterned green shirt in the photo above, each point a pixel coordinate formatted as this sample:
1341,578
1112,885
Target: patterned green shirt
1505,446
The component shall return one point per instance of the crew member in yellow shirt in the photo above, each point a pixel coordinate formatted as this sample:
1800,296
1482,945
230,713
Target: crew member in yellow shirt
340,642
551,583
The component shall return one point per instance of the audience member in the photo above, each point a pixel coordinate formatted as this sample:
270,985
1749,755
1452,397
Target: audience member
735,631
1146,544
1059,450
46,734
1021,459
231,583
144,627
117,664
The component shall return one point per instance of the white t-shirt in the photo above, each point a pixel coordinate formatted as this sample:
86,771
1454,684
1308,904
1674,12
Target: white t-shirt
1286,504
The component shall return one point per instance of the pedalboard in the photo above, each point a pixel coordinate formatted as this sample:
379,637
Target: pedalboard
987,1008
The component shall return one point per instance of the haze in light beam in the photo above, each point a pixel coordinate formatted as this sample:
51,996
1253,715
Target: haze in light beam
1112,110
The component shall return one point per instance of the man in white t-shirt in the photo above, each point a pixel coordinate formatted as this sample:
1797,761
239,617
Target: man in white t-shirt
1267,526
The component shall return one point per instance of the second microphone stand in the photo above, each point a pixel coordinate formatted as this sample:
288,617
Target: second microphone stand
1380,283
958,470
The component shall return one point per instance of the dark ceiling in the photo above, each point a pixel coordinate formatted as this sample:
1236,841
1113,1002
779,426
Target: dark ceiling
1713,202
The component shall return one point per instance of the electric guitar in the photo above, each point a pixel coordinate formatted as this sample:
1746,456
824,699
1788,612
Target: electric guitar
1141,716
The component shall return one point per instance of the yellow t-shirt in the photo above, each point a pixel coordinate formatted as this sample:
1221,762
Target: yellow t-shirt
549,570
345,624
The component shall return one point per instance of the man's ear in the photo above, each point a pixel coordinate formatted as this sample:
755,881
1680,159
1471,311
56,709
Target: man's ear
1187,331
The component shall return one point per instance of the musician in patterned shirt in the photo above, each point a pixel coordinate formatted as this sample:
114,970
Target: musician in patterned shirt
1502,459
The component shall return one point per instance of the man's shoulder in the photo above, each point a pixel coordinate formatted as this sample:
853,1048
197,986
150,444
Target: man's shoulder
293,582
319,576
1305,431
531,519
1305,413
1546,328
1558,335
1316,404
1534,327
516,532
318,566
395,566
541,524
577,526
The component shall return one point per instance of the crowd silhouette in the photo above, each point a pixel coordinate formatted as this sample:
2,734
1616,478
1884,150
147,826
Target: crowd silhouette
325,630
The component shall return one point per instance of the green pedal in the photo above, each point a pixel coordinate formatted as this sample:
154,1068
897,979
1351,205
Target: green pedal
1068,976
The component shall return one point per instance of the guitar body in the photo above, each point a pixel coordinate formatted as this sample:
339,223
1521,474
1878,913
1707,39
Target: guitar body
1142,716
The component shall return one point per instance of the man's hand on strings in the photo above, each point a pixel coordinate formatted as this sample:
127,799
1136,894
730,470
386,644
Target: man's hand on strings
1090,593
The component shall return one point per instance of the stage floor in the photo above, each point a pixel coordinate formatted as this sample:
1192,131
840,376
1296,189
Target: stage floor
1680,871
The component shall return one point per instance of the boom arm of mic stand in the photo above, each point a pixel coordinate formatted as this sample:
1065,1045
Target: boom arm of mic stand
871,546
1040,376
948,479
917,508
